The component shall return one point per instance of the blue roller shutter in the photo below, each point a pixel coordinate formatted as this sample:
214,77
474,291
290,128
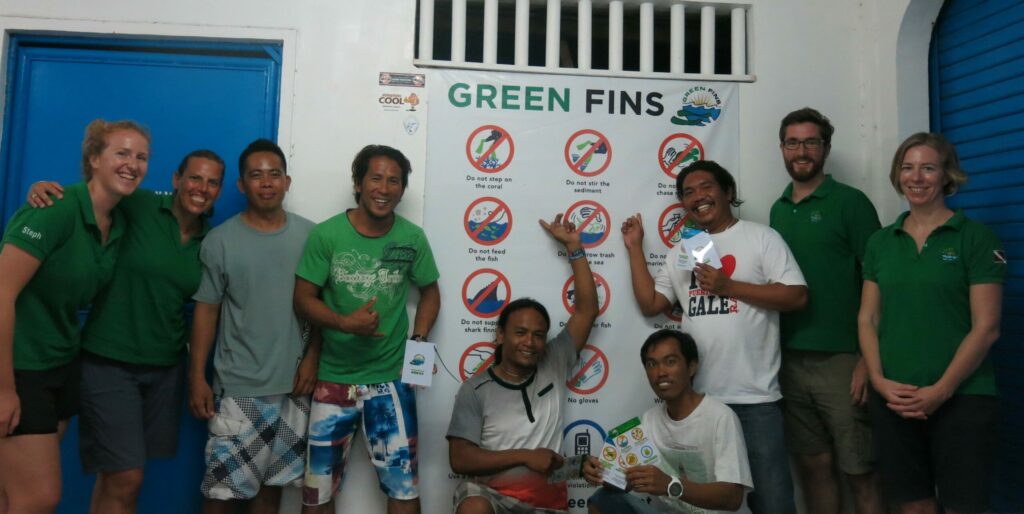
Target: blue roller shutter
977,101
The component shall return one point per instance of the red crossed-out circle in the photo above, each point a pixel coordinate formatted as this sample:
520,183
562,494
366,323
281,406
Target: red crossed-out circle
498,209
601,140
600,282
590,357
482,346
488,147
671,223
581,226
497,281
683,144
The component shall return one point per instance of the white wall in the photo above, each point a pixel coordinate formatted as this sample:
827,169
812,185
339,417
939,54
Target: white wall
862,63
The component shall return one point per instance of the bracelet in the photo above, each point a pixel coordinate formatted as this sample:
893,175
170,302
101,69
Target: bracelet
418,337
577,254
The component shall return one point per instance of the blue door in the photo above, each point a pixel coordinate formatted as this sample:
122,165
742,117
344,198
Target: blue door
977,97
191,95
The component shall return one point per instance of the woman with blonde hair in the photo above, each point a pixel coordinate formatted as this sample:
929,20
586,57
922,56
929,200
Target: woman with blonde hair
52,263
929,312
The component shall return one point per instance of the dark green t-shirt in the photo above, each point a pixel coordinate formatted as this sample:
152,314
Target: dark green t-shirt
352,268
74,266
140,317
827,231
926,308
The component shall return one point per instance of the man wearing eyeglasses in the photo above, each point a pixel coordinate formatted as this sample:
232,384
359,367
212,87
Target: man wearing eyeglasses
823,378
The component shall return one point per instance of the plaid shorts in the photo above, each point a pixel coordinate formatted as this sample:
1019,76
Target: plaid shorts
500,503
255,441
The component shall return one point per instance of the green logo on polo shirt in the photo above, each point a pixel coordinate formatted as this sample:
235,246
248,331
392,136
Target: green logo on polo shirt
816,217
949,255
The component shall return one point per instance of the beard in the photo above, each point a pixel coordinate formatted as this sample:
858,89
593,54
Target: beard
805,176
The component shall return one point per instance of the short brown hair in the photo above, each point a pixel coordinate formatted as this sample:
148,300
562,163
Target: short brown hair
808,115
953,177
95,140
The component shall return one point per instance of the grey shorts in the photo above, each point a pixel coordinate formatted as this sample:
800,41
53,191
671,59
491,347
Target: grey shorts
819,414
500,503
129,413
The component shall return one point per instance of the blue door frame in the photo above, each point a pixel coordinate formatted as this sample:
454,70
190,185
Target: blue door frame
191,94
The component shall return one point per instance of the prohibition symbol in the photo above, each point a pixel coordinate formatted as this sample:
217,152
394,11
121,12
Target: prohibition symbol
488,221
671,223
477,358
485,292
592,222
677,151
590,374
490,149
588,153
604,295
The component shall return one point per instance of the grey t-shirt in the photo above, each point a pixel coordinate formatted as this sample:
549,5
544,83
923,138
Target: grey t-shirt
251,274
496,415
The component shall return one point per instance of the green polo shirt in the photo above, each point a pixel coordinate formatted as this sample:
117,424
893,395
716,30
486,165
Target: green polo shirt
74,266
926,308
140,317
827,232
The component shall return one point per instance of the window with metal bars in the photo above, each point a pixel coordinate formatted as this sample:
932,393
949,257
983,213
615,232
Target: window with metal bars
695,40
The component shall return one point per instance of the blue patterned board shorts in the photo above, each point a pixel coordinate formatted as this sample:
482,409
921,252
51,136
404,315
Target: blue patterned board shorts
255,441
387,413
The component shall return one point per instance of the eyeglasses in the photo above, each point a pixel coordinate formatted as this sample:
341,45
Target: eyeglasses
810,144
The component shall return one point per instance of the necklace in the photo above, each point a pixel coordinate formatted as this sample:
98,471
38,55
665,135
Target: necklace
511,374
727,227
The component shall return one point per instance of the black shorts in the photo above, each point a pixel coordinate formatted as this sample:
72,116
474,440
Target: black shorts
47,397
951,452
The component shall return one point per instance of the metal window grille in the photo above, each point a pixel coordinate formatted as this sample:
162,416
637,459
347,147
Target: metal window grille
657,38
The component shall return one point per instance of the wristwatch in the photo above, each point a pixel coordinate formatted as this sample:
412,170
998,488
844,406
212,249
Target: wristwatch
675,488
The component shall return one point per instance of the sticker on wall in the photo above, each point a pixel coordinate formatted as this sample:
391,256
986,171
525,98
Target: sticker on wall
490,149
592,221
582,437
411,125
590,373
390,78
412,100
671,223
488,221
485,292
604,295
477,358
700,107
588,153
677,151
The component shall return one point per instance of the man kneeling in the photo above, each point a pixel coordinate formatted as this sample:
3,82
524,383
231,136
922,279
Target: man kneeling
506,427
703,464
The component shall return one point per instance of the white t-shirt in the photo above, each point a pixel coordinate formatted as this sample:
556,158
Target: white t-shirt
738,342
707,446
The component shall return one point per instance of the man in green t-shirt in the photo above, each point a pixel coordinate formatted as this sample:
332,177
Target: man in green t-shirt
823,378
352,281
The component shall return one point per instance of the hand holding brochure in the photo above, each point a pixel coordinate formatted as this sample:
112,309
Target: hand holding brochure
571,468
627,445
418,364
697,247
